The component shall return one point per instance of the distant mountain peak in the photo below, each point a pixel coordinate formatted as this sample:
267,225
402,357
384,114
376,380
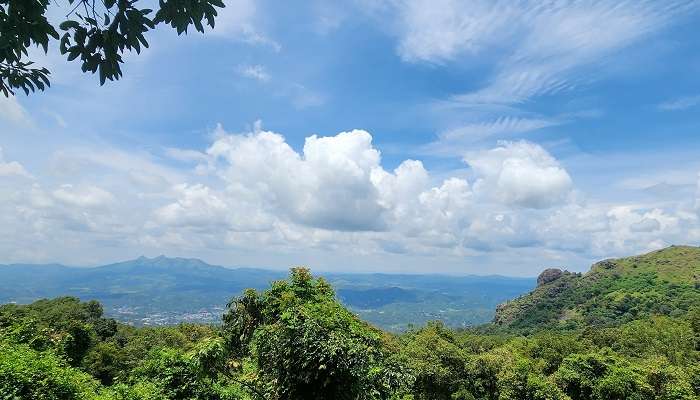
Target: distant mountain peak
165,259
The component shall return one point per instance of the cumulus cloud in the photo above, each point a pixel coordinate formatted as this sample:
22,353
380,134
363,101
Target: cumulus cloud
520,173
333,196
605,230
334,184
43,222
203,208
196,206
327,186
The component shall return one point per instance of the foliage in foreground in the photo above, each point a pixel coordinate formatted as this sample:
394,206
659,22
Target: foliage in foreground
97,32
295,341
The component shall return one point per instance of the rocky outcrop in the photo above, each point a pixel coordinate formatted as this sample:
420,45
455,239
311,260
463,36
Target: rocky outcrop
600,296
551,283
549,275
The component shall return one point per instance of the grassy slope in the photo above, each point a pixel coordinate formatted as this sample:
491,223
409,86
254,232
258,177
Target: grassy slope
665,282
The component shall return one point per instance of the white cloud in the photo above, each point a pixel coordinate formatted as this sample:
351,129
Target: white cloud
83,196
12,168
185,155
440,30
335,196
520,173
331,199
454,141
679,104
646,225
207,210
605,230
140,167
13,112
546,44
256,72
500,126
240,20
196,206
328,185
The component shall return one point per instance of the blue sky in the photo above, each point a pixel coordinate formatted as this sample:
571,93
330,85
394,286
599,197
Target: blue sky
481,137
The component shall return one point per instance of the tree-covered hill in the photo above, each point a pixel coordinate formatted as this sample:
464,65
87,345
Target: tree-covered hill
663,282
296,340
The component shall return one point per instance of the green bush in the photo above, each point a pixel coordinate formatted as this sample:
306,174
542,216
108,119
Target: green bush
31,375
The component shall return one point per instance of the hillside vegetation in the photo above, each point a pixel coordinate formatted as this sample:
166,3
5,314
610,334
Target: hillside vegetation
295,340
664,282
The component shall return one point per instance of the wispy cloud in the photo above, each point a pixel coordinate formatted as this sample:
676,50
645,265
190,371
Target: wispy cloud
303,97
454,141
682,103
13,112
547,43
241,20
257,72
300,96
488,126
500,126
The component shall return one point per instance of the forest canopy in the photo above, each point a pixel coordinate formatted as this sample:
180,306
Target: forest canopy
296,341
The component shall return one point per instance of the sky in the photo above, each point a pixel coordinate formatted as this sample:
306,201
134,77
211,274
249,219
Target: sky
414,136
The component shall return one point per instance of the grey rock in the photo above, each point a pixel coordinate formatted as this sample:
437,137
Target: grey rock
549,275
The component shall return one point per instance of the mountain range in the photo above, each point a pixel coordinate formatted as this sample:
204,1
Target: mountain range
163,290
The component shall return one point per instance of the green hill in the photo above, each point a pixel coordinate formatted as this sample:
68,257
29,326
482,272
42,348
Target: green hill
295,340
664,282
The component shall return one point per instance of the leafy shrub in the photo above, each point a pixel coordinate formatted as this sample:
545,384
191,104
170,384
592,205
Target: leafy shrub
30,375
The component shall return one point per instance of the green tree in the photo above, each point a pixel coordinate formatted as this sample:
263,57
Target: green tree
31,375
105,361
98,32
523,382
437,361
176,374
552,348
64,324
670,382
305,345
602,376
671,338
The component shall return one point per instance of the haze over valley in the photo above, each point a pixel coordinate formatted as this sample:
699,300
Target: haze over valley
165,291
